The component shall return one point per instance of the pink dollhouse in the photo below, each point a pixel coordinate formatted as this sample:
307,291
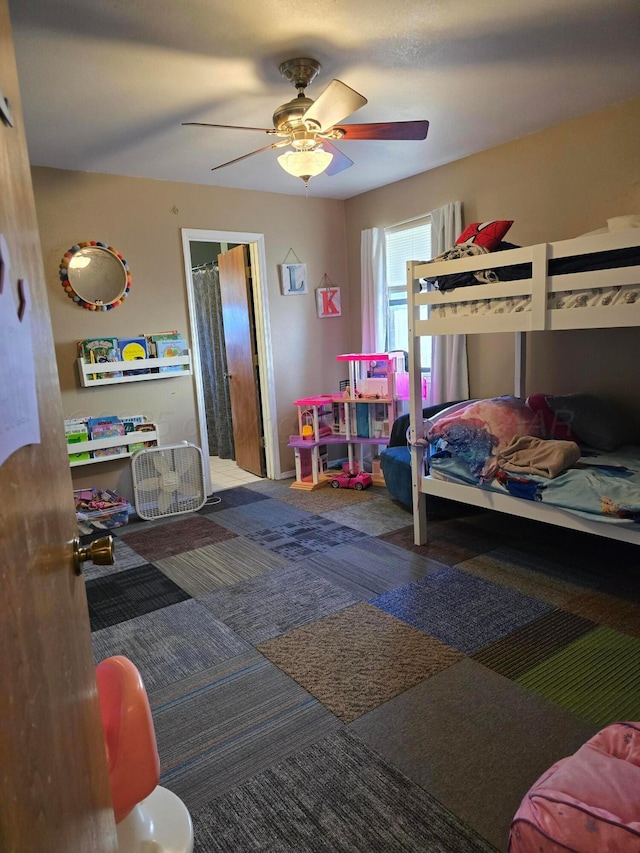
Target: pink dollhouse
359,418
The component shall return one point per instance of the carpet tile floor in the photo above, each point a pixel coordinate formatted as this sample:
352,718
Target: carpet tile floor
319,683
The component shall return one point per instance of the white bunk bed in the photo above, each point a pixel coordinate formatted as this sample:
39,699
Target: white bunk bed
607,298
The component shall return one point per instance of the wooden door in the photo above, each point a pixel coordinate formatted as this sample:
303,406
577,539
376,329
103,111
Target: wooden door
240,343
54,787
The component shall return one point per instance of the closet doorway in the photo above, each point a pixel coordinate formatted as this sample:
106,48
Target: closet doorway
232,357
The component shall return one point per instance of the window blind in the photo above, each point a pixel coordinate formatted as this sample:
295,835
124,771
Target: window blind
408,242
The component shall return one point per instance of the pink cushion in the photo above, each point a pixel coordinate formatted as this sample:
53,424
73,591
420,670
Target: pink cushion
588,802
553,427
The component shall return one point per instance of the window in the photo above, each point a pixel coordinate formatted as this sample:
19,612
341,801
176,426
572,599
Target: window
408,242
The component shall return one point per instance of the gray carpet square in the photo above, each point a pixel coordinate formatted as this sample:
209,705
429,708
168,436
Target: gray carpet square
126,595
229,498
448,541
253,518
524,573
551,568
305,536
169,644
474,740
230,722
369,566
276,602
336,796
373,518
216,566
124,557
271,488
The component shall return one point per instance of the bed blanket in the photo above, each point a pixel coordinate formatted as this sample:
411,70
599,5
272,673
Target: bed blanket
527,454
463,279
601,485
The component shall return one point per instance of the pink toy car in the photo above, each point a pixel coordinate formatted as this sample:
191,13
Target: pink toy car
348,480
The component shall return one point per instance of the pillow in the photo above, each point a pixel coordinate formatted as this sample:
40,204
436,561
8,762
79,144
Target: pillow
553,426
617,223
593,422
487,234
476,433
622,223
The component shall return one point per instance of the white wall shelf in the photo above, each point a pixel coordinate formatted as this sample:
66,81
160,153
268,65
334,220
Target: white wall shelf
138,437
98,374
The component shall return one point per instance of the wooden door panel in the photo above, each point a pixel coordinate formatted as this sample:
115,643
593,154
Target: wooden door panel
239,336
54,786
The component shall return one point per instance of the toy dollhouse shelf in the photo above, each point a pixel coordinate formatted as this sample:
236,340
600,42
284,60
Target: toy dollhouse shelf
361,416
98,374
112,441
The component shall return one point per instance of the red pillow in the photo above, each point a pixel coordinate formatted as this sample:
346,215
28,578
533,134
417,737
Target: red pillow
486,234
553,427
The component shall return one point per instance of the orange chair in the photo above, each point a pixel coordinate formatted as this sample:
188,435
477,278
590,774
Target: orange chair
145,812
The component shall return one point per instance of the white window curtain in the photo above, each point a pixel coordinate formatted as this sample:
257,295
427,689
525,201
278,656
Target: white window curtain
449,370
373,290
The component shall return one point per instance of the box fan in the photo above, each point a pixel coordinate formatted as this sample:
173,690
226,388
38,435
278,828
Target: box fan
168,480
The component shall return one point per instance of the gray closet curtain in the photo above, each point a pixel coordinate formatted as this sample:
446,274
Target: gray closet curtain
213,358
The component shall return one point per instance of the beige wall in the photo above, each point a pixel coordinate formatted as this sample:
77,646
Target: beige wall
142,220
555,184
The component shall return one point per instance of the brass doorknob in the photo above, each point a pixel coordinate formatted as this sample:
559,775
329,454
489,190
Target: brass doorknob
100,552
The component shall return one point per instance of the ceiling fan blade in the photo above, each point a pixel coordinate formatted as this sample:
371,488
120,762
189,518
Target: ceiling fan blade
386,130
334,104
250,154
226,126
340,161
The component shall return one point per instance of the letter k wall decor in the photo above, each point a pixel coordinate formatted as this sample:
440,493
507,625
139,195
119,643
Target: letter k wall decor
328,299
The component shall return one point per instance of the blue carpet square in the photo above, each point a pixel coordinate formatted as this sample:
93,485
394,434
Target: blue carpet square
117,598
461,610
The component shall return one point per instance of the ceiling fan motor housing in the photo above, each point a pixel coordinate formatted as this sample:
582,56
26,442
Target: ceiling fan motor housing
288,117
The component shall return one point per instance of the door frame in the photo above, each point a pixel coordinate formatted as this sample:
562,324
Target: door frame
258,262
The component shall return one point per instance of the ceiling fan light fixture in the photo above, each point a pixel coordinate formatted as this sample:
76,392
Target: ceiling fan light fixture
305,164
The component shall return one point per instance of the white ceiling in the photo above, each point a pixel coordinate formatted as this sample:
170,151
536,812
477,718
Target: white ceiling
106,83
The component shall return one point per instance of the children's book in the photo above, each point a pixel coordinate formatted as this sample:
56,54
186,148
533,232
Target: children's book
76,438
108,429
131,424
77,425
132,349
170,349
152,340
100,351
148,427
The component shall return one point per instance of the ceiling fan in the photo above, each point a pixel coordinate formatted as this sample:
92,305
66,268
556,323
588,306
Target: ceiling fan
311,127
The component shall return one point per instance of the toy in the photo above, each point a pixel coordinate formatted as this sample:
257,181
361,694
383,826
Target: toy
359,417
352,479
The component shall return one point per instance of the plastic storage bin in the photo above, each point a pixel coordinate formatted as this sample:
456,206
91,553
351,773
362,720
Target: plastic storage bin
101,508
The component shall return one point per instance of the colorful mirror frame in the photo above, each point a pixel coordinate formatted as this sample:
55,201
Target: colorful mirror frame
119,288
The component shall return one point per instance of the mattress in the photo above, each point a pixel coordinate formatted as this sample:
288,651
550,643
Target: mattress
595,297
602,486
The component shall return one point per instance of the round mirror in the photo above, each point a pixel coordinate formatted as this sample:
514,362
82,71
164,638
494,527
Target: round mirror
95,276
